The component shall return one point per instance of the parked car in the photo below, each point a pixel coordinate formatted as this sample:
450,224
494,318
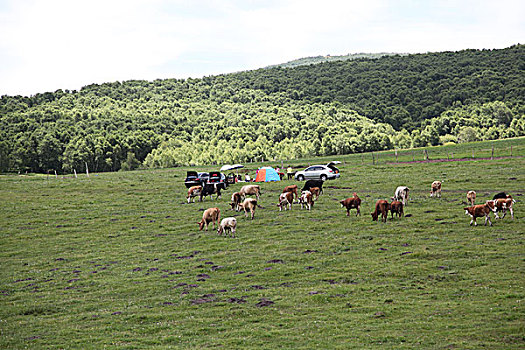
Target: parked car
216,177
320,172
194,178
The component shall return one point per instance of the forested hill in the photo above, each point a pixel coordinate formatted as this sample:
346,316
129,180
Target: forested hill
279,113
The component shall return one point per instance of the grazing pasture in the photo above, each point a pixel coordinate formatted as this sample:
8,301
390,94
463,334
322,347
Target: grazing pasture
117,260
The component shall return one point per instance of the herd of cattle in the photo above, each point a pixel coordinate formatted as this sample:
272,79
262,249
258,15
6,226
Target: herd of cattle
314,188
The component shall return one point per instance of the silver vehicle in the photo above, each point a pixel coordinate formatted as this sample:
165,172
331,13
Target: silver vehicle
319,172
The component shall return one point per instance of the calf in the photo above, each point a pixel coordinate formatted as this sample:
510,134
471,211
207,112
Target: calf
193,192
351,203
306,200
471,197
382,207
293,189
285,199
478,211
236,200
396,207
401,194
316,191
249,204
210,190
227,224
209,215
501,205
250,189
313,183
435,189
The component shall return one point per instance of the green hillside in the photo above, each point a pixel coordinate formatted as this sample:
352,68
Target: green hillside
329,108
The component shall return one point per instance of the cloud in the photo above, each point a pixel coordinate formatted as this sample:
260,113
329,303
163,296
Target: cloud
59,44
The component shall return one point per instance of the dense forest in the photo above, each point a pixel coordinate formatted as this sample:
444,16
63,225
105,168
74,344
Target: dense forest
336,107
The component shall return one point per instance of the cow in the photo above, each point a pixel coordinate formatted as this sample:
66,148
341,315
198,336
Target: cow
396,207
249,204
351,203
500,195
471,197
293,189
306,200
250,189
285,199
435,189
316,191
210,190
227,224
313,183
401,194
382,207
236,200
502,204
193,192
478,211
210,215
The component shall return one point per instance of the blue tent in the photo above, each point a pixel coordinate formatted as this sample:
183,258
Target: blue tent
267,174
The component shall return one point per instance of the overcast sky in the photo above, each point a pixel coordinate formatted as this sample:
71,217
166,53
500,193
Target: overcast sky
47,45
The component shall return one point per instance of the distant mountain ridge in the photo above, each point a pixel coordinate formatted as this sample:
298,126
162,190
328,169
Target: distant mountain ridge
329,58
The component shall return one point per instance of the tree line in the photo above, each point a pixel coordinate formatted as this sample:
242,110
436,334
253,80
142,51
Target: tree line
279,113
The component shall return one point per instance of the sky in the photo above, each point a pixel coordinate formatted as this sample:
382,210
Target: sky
46,45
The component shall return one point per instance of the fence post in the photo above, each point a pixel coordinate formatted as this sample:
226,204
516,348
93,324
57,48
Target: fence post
492,155
472,153
373,159
396,154
511,151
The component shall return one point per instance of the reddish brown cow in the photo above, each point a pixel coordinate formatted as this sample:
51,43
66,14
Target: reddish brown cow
316,191
306,200
351,203
501,205
382,207
209,215
193,192
396,207
285,199
293,189
478,211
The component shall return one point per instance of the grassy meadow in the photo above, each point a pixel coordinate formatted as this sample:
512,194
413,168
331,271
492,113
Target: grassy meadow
116,260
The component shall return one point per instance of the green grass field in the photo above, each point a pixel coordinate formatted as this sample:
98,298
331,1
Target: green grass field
116,260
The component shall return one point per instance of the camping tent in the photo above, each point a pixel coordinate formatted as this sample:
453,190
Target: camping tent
267,174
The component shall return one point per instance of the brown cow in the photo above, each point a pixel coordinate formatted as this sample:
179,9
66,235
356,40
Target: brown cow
351,203
435,189
249,204
285,199
236,200
478,211
209,215
396,207
316,191
250,189
293,189
306,200
471,197
382,207
193,192
501,205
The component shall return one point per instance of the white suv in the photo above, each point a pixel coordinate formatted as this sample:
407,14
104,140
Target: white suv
319,172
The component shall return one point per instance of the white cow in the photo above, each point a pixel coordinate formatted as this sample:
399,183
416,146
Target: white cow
401,194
